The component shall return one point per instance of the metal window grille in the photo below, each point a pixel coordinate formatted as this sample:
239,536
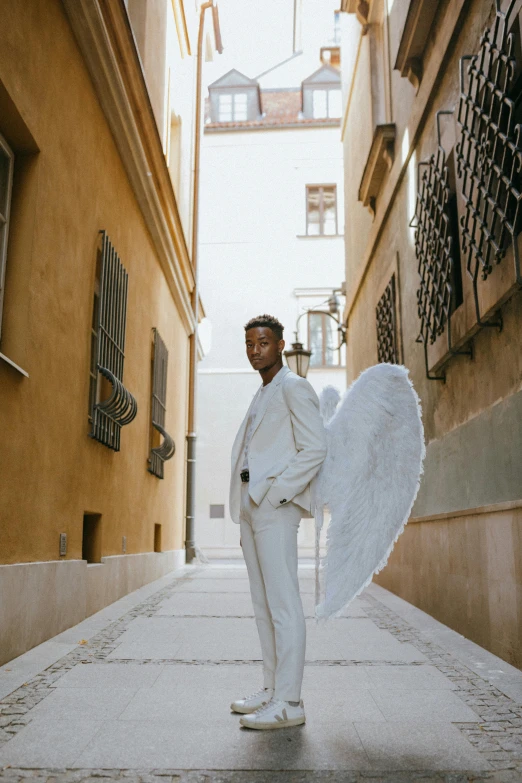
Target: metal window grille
159,454
6,186
435,249
108,416
387,347
489,153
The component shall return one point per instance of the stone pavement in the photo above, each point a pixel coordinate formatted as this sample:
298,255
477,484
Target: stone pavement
141,692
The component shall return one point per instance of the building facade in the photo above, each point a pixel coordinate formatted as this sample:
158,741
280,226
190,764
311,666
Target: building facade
271,242
95,286
432,155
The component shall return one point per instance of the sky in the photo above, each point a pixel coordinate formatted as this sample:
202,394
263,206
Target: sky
256,35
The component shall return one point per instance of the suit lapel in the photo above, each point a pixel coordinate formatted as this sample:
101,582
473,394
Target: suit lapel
238,442
267,396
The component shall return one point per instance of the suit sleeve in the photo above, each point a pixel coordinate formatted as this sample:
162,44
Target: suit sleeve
310,441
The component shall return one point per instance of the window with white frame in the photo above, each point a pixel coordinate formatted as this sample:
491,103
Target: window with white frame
6,186
233,107
321,210
322,340
326,103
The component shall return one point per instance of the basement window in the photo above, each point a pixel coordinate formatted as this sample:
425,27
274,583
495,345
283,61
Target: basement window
157,538
91,540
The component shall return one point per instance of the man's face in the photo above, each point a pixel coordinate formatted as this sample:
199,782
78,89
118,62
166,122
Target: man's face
263,347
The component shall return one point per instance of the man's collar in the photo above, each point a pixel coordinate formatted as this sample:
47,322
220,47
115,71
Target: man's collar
278,377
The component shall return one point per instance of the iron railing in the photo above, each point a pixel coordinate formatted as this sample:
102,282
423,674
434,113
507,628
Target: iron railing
159,454
436,250
109,319
489,154
387,346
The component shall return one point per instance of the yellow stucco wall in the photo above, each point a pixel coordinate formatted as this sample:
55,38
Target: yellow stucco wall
52,472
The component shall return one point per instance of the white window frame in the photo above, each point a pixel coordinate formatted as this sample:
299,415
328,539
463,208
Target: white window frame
5,198
233,96
327,114
313,300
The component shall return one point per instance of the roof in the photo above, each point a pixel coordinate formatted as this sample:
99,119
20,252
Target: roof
233,78
326,74
281,108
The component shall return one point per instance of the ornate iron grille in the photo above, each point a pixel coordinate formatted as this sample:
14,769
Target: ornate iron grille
160,454
489,153
110,309
387,348
435,247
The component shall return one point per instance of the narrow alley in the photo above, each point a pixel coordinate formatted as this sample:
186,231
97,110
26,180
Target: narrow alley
141,691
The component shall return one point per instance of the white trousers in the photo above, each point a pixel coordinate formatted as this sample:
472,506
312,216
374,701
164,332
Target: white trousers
269,541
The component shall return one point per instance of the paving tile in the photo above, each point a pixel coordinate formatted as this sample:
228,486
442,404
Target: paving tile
418,745
214,586
388,649
207,605
408,678
340,691
104,675
439,705
96,703
49,743
189,744
230,585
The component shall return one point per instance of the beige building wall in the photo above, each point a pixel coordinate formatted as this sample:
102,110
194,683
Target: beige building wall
460,557
69,183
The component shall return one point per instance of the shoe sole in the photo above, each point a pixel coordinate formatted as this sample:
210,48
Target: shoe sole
283,724
244,710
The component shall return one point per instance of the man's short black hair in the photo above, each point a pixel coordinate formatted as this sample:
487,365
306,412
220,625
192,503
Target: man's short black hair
266,320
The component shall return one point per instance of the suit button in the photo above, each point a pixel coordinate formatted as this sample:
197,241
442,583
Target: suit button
283,501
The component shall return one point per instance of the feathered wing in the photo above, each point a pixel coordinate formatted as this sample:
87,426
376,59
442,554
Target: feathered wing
369,480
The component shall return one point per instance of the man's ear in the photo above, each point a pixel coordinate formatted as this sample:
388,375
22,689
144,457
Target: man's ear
281,345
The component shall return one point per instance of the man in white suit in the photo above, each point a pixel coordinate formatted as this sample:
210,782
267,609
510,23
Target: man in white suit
277,452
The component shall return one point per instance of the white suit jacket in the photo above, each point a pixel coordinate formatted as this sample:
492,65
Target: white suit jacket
287,447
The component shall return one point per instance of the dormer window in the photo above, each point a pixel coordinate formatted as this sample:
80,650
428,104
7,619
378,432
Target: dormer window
326,103
234,98
322,94
233,107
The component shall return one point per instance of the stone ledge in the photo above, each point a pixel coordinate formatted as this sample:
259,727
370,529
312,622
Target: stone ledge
42,599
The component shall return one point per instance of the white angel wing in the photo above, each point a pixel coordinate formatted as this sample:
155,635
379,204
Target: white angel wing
369,480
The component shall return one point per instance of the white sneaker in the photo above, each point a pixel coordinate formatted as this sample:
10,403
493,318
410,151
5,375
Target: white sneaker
275,715
253,702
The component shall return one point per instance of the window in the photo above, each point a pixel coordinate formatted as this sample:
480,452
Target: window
322,340
159,452
321,210
111,406
386,322
233,107
326,103
488,152
6,186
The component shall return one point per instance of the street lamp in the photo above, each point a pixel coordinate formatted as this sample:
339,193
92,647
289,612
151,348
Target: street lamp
298,359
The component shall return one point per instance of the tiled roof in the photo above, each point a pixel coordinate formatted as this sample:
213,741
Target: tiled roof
280,108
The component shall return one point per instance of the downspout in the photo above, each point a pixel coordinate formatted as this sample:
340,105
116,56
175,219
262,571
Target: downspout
190,544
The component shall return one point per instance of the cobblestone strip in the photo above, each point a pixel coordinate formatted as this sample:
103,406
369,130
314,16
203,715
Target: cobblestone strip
15,708
498,731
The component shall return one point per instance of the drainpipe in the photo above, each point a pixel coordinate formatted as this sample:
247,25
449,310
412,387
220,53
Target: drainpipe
190,544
